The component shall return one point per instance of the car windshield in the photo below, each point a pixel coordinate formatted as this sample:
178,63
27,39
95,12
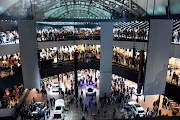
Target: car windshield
137,105
55,82
141,111
58,108
55,86
90,90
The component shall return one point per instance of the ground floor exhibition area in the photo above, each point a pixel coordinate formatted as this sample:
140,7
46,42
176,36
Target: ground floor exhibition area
124,102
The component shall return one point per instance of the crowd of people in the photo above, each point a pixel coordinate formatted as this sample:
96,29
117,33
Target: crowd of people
175,78
89,33
69,33
166,103
127,60
81,55
94,33
89,54
11,96
8,64
65,33
119,98
69,55
133,33
35,110
57,34
8,37
38,110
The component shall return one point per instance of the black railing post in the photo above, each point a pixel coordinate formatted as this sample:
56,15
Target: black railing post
141,72
75,74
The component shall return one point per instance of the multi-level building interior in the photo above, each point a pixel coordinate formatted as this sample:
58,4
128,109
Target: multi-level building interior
89,59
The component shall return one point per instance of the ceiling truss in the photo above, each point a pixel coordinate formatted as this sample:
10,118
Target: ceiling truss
45,6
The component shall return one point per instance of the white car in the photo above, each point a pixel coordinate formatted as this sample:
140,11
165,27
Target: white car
55,87
137,109
59,109
90,91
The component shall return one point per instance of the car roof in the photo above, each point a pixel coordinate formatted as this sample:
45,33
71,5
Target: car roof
137,105
59,102
132,103
56,83
140,108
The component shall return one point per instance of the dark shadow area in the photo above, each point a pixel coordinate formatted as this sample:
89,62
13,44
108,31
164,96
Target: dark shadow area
10,81
67,66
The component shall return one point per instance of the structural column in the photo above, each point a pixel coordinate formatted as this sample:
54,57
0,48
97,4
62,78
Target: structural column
159,46
29,54
141,72
106,58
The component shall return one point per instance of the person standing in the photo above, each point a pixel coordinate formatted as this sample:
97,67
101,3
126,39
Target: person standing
85,109
51,101
160,112
47,113
33,100
177,79
47,102
147,112
82,106
81,92
173,77
171,69
14,38
165,100
175,34
54,101
77,102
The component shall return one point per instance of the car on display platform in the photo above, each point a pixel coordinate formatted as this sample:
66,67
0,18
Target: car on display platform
40,106
58,112
55,87
137,109
90,91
